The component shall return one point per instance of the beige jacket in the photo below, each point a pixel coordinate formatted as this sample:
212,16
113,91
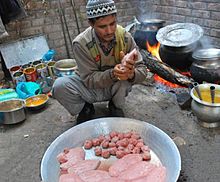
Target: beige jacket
97,72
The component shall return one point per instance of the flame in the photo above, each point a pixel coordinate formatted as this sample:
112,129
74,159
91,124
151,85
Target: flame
154,50
160,80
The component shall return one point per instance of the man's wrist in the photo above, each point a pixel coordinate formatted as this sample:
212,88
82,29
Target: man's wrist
132,77
112,76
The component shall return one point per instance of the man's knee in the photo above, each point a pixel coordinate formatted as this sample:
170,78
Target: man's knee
122,86
59,86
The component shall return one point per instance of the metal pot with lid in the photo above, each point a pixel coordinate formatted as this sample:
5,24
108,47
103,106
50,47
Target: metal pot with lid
178,41
206,65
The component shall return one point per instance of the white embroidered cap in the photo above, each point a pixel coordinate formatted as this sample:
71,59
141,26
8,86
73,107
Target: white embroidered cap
98,8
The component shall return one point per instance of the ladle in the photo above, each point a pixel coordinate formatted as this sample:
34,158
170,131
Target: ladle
212,91
197,90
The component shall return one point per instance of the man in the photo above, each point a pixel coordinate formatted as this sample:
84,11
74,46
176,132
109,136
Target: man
108,65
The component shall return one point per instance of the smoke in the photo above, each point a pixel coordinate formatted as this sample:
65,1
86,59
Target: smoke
205,43
145,11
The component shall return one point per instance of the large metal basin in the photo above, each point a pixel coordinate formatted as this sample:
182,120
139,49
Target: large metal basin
160,143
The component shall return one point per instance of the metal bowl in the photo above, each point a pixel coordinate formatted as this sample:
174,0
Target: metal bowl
161,144
12,111
36,102
65,67
208,113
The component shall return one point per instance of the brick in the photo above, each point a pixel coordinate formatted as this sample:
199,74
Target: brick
167,9
38,22
215,33
183,11
200,13
31,31
25,24
213,7
182,4
198,21
52,28
215,15
55,35
167,2
178,18
59,42
212,23
198,5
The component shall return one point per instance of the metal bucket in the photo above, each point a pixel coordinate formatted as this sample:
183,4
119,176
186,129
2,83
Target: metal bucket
30,74
12,111
18,77
160,143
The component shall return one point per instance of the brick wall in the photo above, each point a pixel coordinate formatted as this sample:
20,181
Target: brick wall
43,18
205,13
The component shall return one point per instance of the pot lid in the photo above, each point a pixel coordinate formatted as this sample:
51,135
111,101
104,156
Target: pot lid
179,34
210,53
152,21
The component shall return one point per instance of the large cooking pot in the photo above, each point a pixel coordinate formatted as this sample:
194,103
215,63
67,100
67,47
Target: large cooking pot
12,111
206,65
160,143
178,41
177,57
146,31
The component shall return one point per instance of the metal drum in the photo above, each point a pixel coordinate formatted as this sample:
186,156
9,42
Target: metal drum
160,143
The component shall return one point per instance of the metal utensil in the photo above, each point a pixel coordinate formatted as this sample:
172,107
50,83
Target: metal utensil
212,91
196,86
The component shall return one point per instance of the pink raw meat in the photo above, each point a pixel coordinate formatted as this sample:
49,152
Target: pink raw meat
73,155
137,170
94,176
70,178
113,179
84,165
158,174
124,163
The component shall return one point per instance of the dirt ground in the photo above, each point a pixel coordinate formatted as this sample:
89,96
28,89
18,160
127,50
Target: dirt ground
22,146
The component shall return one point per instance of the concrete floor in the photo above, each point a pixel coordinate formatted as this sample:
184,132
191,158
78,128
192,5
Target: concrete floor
22,146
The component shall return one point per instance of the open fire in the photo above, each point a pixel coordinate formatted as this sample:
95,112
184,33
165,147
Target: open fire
154,51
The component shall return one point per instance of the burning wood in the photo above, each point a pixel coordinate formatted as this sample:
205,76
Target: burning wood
164,70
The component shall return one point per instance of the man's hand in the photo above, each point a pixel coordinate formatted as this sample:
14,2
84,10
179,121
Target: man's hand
128,64
120,73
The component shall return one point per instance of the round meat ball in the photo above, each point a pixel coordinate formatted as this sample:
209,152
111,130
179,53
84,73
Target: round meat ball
105,154
98,151
88,144
120,154
146,156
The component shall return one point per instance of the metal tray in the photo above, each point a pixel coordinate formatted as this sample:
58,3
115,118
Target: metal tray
163,148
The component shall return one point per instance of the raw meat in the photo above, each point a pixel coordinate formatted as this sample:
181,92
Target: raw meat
157,175
70,178
124,163
113,179
94,176
73,155
83,166
137,170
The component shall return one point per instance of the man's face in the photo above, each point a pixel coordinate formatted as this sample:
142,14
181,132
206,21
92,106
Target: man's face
105,27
